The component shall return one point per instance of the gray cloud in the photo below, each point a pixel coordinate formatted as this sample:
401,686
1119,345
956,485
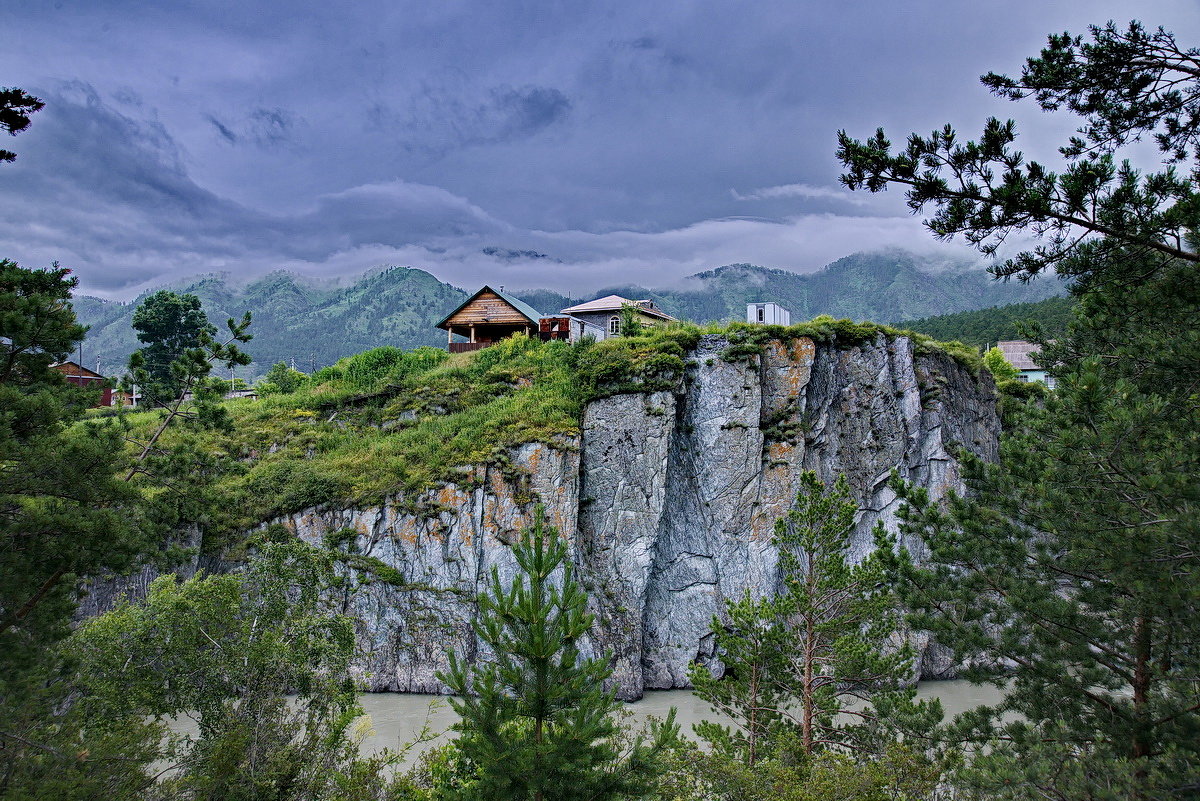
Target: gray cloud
223,129
447,115
264,127
606,136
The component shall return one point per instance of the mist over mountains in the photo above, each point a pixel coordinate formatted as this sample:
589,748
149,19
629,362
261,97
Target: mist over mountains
398,306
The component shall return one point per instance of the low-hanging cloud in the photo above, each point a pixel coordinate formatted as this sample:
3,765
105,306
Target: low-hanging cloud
122,209
801,191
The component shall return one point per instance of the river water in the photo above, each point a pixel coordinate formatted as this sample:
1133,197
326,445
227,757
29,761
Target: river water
398,718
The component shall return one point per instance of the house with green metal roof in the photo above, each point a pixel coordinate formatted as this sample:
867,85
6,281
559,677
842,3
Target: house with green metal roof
487,317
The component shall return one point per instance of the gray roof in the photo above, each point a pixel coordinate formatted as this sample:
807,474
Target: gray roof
616,303
1018,353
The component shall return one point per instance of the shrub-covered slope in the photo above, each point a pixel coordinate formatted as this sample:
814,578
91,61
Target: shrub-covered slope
388,421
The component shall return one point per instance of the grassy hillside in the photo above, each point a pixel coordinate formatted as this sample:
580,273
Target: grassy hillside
388,421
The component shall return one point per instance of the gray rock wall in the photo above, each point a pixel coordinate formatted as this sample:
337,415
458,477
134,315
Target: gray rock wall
668,500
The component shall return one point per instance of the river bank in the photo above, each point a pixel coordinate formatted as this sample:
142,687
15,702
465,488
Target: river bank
399,718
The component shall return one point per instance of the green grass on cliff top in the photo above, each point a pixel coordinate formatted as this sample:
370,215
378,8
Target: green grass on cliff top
388,422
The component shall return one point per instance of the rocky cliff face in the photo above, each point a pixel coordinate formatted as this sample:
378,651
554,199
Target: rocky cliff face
668,500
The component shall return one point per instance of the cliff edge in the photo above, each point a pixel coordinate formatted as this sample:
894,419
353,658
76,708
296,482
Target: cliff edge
668,499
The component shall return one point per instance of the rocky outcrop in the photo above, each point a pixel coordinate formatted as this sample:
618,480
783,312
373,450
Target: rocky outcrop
668,500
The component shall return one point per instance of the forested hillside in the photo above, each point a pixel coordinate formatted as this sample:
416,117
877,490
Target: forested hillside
313,326
985,327
885,286
398,307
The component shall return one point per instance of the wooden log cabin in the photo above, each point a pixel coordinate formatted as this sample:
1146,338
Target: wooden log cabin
487,317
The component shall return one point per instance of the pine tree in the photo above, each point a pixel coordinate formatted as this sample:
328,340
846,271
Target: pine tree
15,107
1125,84
63,514
820,659
171,325
537,721
752,692
846,667
1075,560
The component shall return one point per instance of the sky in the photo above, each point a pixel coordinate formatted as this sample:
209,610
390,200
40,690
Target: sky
566,145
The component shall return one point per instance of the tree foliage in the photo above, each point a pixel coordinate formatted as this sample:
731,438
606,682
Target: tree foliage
1074,559
816,668
999,366
15,107
983,328
227,650
753,691
538,721
177,329
62,510
171,325
63,514
1125,83
281,379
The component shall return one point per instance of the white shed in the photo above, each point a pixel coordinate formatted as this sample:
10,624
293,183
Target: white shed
767,314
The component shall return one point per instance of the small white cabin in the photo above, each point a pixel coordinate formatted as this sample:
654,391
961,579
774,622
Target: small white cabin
767,314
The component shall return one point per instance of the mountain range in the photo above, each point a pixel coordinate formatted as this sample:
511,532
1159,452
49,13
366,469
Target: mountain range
313,326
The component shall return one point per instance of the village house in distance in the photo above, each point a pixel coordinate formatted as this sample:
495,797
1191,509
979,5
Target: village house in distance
1019,354
489,316
81,376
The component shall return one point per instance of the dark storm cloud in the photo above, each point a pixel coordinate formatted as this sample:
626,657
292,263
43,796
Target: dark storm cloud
442,117
627,141
121,205
222,129
264,127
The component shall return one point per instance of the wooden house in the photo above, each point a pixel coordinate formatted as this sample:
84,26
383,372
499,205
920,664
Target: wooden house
487,317
80,376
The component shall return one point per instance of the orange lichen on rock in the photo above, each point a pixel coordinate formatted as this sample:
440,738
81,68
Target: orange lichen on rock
535,459
778,452
448,497
407,531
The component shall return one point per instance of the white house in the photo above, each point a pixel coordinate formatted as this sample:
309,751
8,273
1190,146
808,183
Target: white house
767,313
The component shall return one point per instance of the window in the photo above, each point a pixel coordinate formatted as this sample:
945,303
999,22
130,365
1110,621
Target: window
762,314
614,325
